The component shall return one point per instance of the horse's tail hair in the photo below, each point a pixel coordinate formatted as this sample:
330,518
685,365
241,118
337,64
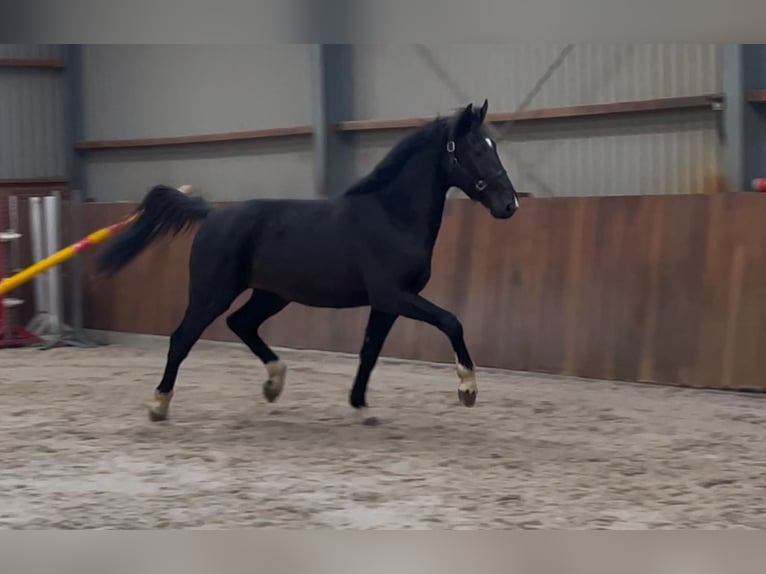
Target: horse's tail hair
164,210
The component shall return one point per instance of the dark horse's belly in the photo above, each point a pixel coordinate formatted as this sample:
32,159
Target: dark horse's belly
310,277
331,300
312,294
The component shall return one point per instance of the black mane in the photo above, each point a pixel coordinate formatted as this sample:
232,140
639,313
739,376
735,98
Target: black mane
390,166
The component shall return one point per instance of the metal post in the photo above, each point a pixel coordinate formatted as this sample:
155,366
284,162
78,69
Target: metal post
63,334
76,267
319,120
13,225
5,270
334,154
40,322
78,177
51,205
11,314
753,119
733,116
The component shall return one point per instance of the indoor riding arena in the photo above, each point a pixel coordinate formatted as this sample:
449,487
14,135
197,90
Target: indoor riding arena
616,322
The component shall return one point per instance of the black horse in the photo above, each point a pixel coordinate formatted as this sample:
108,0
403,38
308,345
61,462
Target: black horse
371,246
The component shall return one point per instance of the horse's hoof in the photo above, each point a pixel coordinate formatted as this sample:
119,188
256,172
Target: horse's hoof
274,385
466,390
159,410
467,396
359,403
271,390
157,416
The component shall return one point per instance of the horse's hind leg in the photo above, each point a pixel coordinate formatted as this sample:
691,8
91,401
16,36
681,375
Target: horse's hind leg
245,321
205,304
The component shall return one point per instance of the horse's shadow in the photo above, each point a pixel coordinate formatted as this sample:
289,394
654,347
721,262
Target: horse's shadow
404,432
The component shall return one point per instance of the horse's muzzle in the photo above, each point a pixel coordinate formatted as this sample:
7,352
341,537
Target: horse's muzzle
505,211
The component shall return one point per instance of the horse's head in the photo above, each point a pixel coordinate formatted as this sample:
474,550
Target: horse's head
473,165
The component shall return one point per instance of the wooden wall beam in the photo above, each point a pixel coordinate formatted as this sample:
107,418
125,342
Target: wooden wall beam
566,112
31,63
34,182
589,110
195,139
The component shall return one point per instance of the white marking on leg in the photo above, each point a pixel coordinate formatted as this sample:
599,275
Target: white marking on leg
467,378
467,389
273,387
158,411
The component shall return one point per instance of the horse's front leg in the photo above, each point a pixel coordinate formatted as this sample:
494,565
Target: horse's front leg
378,326
418,308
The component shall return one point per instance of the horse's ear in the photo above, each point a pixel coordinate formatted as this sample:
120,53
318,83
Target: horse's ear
464,121
483,112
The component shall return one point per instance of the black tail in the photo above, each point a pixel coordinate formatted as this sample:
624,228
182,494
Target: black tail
164,210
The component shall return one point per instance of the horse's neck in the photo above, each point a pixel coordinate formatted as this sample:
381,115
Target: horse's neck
417,197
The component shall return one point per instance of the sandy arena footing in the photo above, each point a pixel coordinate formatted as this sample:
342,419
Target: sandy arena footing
78,451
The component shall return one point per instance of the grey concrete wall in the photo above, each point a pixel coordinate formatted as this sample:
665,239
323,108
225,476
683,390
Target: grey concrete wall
223,172
162,91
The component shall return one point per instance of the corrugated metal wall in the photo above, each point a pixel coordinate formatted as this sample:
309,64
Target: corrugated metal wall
666,152
162,91
392,81
672,153
156,91
32,116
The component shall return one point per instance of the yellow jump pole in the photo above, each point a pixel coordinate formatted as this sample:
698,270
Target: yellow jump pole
68,252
